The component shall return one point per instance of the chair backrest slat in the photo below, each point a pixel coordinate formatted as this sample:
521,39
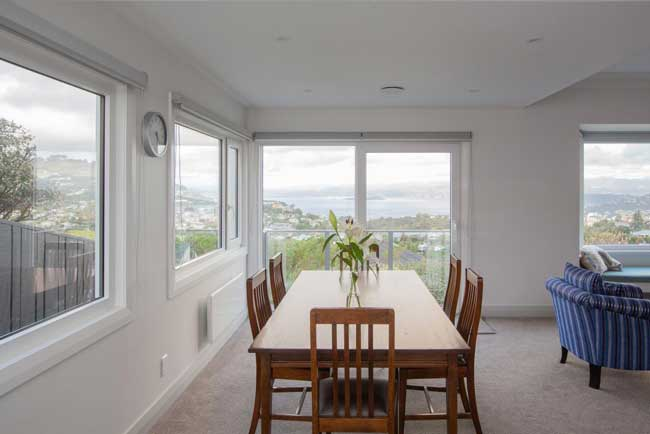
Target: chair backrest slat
453,288
470,312
371,371
257,299
276,275
357,317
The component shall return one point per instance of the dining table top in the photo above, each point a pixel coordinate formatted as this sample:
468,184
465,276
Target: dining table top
421,326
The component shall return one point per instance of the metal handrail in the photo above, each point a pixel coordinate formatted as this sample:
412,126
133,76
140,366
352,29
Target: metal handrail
325,232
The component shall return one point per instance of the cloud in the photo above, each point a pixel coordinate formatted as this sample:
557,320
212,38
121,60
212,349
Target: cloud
61,117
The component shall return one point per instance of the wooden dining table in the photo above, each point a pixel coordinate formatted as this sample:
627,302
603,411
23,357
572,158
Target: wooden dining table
424,336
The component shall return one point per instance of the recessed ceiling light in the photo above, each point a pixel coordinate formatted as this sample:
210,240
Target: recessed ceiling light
473,90
283,38
535,40
392,90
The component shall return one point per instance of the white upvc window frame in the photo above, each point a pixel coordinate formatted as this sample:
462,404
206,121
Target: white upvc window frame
237,144
639,252
460,151
28,353
185,276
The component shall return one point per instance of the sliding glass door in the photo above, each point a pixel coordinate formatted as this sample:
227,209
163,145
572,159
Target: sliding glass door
405,193
408,206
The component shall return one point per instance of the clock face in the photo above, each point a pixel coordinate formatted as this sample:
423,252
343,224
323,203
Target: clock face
154,134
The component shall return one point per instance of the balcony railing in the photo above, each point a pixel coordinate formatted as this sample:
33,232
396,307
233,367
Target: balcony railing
42,274
425,251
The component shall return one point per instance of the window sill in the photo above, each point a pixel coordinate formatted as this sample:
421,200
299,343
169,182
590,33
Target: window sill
37,349
189,275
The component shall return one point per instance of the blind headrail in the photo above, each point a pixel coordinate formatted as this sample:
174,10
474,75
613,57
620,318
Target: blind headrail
415,136
616,136
181,103
19,21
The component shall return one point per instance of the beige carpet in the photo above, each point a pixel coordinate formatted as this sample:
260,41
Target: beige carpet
522,389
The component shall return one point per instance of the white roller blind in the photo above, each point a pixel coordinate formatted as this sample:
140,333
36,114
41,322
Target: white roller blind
421,136
183,104
21,22
616,136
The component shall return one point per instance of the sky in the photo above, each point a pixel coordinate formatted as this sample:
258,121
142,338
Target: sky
617,168
61,117
331,169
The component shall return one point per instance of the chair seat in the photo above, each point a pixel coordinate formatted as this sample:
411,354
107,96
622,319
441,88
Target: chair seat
326,395
298,374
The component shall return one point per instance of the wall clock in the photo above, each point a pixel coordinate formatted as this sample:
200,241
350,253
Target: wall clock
154,134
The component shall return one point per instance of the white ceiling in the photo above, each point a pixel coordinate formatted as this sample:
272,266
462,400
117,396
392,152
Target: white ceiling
633,64
343,52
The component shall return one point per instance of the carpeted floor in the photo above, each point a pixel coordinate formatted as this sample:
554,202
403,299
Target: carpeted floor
522,389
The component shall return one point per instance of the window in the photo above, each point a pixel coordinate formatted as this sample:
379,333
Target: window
233,192
51,197
205,221
402,192
197,197
616,193
409,210
301,185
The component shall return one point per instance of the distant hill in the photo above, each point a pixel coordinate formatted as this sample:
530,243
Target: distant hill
610,203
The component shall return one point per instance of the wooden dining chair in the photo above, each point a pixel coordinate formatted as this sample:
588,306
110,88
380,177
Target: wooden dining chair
259,312
276,275
468,323
453,288
353,403
373,257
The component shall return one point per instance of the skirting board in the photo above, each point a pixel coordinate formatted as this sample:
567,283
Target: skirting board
164,401
518,311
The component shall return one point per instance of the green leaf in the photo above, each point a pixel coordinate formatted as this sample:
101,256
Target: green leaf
333,221
357,252
366,238
327,241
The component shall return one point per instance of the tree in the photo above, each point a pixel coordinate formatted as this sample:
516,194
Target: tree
18,192
16,171
637,221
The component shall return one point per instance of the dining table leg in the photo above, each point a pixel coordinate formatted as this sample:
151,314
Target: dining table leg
452,390
266,392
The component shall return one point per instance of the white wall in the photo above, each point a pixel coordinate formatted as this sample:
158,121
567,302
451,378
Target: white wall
107,387
525,176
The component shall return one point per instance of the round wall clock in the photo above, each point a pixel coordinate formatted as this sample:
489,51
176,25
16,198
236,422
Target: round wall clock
154,134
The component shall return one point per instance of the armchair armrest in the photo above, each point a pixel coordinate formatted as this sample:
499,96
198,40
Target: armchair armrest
633,307
559,288
622,290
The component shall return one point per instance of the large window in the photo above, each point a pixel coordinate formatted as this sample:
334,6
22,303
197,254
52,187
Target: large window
409,210
197,201
616,193
404,198
51,197
206,171
301,185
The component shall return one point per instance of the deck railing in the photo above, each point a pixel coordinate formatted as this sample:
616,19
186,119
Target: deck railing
426,251
42,274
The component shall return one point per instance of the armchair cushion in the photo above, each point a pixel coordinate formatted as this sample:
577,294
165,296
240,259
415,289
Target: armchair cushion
630,307
622,290
586,280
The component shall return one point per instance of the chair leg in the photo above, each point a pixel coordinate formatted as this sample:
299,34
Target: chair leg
256,406
594,376
401,399
565,352
472,401
463,395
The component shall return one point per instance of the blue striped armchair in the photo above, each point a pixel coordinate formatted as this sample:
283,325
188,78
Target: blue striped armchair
602,323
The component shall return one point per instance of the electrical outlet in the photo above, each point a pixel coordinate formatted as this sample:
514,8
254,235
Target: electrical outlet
163,365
